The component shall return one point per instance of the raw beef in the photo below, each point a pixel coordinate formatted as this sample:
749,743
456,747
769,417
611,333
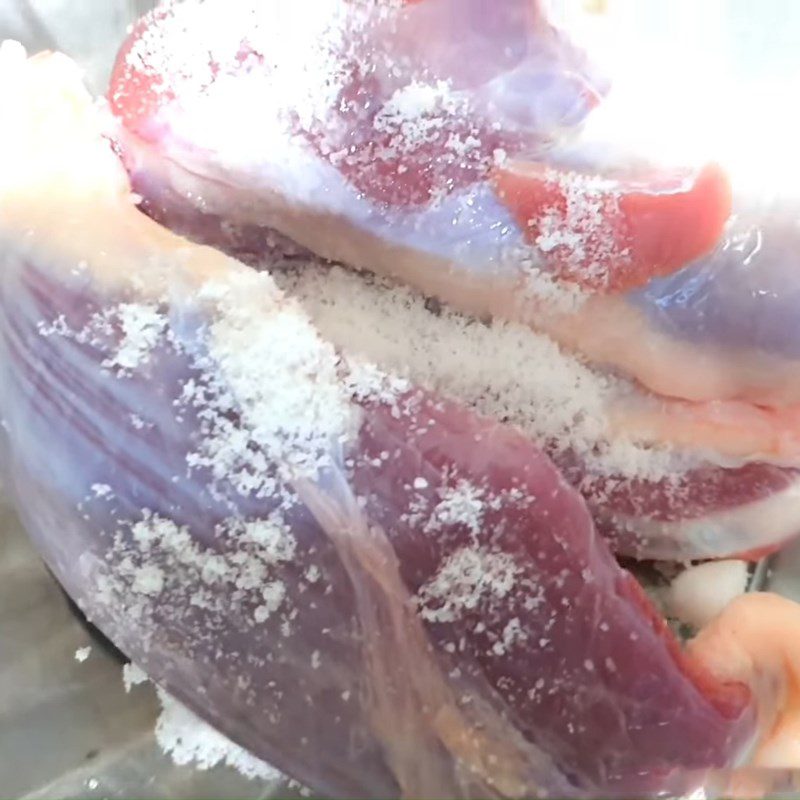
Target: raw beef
376,590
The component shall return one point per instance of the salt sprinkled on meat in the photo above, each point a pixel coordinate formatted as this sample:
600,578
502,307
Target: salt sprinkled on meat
416,100
154,560
273,594
142,327
128,332
267,365
513,633
416,113
542,287
148,579
502,370
366,381
270,537
585,231
187,739
462,504
467,578
301,51
422,113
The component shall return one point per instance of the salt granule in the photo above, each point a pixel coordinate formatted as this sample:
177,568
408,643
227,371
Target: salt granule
187,739
467,577
132,675
82,653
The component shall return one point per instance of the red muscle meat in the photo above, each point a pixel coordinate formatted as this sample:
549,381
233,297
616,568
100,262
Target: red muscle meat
630,230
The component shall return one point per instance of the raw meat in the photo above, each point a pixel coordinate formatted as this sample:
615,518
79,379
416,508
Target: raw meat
502,219
650,503
376,590
719,329
380,90
388,150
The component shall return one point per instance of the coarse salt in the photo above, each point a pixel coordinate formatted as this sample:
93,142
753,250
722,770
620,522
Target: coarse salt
82,653
502,370
133,675
468,577
462,504
587,230
187,739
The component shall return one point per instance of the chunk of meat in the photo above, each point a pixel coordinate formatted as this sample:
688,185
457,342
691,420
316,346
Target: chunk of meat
322,562
386,96
322,172
649,502
730,433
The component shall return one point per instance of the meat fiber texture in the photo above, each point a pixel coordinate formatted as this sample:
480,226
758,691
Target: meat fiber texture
469,180
372,588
